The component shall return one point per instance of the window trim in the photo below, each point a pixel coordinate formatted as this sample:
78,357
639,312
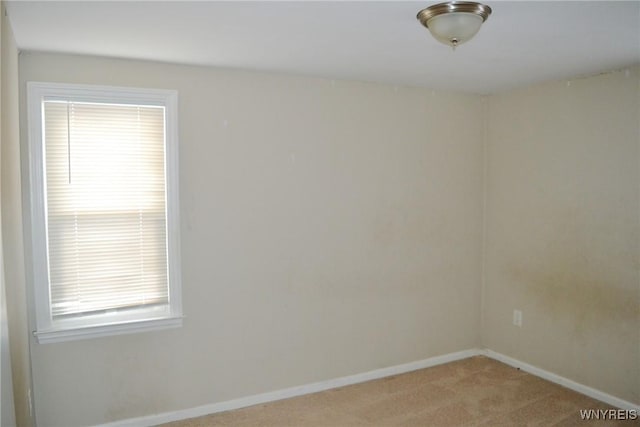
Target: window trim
48,331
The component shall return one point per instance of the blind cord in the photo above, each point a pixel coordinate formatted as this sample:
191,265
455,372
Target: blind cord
68,144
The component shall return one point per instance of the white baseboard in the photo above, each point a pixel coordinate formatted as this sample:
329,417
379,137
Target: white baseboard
271,396
565,382
152,420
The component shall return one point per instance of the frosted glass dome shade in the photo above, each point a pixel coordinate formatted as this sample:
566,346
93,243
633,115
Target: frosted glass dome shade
454,28
455,22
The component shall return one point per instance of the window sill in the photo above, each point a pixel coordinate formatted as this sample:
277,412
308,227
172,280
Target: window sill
68,334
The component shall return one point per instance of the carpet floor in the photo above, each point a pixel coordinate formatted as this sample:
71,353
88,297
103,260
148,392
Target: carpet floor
472,392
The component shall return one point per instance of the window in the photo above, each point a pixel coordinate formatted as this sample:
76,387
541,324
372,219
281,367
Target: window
103,169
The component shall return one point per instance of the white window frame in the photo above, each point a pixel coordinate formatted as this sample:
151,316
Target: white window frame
47,329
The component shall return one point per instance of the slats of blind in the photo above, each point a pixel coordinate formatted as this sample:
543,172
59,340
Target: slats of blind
106,214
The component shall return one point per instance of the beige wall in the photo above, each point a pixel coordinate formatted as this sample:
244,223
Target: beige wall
328,228
563,229
7,405
10,192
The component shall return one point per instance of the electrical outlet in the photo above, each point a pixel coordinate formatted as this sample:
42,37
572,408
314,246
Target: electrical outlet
517,318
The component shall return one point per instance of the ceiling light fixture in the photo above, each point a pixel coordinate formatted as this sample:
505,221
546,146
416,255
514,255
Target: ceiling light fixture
455,22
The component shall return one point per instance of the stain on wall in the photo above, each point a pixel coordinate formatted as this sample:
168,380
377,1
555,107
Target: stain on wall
585,273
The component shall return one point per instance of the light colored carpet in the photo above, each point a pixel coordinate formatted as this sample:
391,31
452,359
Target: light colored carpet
472,392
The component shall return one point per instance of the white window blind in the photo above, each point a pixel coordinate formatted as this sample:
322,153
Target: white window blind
106,221
103,179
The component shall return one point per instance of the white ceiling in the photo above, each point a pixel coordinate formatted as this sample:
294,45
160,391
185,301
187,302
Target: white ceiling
521,43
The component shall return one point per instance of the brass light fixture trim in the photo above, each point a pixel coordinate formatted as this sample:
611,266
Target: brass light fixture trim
457,6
